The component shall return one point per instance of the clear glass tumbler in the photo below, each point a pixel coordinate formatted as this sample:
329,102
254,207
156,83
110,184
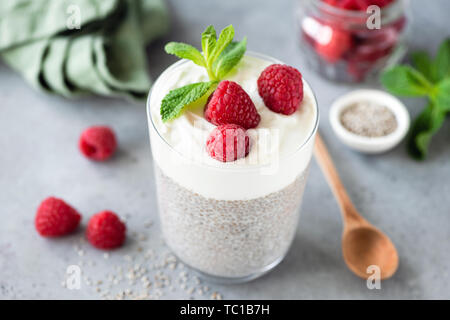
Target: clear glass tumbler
228,239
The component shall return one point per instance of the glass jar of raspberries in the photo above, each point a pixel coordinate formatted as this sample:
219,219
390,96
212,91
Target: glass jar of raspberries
352,40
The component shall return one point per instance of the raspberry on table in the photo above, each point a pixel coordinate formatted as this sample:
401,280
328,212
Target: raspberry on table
105,230
230,104
281,88
55,217
228,142
98,143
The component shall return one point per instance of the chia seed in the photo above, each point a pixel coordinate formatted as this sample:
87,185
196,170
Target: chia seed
225,238
368,119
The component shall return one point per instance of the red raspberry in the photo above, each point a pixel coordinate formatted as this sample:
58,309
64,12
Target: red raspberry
340,42
105,230
281,88
98,143
380,3
228,142
231,104
358,5
334,3
55,218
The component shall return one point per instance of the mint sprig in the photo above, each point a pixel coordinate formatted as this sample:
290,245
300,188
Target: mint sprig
220,55
428,78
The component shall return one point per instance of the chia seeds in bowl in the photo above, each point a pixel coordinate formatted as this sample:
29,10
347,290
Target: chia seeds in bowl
368,119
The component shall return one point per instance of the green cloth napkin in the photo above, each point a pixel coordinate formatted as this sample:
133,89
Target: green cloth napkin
105,56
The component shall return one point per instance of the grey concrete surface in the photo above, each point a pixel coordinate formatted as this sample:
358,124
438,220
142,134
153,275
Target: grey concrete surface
39,157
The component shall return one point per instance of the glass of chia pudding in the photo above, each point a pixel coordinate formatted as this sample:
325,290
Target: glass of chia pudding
231,220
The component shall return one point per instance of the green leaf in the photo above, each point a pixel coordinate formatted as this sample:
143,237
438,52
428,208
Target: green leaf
442,96
229,58
442,61
209,38
176,100
225,37
185,51
423,63
406,81
431,79
423,128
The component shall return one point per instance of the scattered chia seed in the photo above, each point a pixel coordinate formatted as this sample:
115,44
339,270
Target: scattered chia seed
368,119
142,276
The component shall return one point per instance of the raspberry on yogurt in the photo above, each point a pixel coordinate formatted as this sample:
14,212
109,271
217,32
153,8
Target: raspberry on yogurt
228,142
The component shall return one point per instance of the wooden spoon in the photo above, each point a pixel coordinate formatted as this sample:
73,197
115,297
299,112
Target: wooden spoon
363,245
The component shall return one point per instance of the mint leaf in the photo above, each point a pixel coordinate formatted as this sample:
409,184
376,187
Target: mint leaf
406,81
423,128
423,63
442,96
209,38
174,102
229,58
185,51
225,37
442,61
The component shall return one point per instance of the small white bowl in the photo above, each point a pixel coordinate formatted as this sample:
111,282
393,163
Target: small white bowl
370,144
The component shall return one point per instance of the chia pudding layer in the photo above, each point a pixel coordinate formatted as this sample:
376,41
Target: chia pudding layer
228,238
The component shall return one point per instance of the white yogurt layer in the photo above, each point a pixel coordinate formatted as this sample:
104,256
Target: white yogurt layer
274,160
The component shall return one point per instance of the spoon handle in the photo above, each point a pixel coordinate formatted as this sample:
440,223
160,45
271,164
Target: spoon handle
348,210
